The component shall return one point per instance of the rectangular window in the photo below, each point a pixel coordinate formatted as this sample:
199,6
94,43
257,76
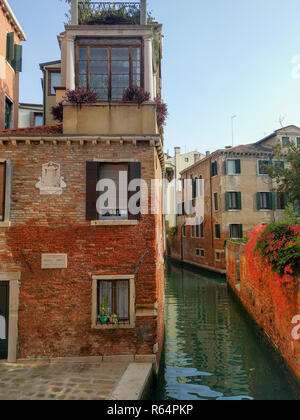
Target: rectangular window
54,81
109,69
214,169
218,231
281,200
184,231
298,141
218,256
38,119
236,231
265,201
193,228
216,201
202,230
233,166
279,164
2,190
285,141
200,253
115,205
9,113
233,201
263,167
113,299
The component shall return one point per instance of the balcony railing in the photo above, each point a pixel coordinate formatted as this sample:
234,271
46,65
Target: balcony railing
86,12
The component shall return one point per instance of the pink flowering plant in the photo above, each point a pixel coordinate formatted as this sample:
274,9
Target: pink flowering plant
136,94
279,245
81,96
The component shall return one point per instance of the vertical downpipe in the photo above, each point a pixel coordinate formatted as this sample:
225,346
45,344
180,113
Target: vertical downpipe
143,12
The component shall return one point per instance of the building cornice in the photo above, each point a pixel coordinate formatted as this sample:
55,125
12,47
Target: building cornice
12,19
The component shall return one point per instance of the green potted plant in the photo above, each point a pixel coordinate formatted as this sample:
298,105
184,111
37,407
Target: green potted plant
114,319
103,317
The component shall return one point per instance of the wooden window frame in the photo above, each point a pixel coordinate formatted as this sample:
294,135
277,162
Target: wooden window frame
95,301
139,44
114,298
50,72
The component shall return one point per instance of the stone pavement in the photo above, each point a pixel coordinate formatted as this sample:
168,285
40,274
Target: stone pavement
59,381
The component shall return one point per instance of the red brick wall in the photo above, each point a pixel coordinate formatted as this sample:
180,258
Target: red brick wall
55,305
268,305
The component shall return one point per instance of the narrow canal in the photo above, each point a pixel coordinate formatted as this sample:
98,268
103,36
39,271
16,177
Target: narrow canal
212,349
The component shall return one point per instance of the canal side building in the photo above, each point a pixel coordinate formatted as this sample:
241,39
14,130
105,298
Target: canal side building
62,262
238,196
11,36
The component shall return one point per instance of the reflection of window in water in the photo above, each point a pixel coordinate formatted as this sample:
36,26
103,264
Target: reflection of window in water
2,328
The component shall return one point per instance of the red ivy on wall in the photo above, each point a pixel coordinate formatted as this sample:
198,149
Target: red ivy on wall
281,286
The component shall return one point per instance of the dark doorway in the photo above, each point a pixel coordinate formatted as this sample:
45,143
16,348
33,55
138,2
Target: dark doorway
4,315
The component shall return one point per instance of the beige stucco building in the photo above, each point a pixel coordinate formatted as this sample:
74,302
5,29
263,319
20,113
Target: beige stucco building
238,195
174,166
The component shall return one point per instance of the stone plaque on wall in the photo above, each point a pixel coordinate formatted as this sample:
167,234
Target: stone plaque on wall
51,261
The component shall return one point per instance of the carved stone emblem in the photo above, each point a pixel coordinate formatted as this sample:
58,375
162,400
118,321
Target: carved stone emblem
51,182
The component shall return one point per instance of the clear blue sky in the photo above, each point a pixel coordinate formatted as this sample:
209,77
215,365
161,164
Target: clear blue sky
221,57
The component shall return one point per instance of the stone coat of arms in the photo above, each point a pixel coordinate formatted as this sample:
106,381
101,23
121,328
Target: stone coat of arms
51,182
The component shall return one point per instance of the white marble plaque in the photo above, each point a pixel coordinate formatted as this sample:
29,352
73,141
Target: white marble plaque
50,261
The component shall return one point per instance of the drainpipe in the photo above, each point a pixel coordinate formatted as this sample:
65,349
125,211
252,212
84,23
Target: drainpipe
143,12
74,12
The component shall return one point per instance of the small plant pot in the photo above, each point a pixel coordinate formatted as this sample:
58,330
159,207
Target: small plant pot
103,319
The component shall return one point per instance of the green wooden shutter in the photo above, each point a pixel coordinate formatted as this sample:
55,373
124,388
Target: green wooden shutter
238,166
92,178
227,167
134,172
239,201
17,61
259,204
275,201
230,231
227,196
218,231
10,47
241,233
270,201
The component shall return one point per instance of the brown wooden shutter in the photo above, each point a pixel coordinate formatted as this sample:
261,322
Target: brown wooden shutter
134,172
92,178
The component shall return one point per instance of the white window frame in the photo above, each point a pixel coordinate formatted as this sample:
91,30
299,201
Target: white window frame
281,140
132,312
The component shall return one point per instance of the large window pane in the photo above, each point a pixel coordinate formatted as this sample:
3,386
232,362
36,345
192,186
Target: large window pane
55,81
123,299
105,291
99,54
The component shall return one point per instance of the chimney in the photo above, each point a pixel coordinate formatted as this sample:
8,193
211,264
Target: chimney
177,150
228,147
74,12
207,154
143,12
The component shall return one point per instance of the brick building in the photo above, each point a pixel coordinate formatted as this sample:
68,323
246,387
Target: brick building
238,196
61,260
11,36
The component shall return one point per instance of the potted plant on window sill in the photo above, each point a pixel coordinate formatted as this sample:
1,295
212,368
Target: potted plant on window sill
103,317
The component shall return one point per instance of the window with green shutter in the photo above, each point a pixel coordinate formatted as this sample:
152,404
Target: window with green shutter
10,47
236,231
263,166
17,61
265,201
233,201
285,141
298,141
214,169
233,166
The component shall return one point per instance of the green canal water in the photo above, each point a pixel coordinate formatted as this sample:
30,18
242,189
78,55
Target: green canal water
213,351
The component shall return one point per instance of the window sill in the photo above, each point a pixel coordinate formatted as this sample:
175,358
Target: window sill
5,224
113,327
114,223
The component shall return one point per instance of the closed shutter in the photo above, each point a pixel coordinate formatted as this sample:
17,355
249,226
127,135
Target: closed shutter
218,231
17,61
8,189
270,201
259,204
92,177
241,233
276,199
231,231
10,47
239,201
134,172
227,197
238,166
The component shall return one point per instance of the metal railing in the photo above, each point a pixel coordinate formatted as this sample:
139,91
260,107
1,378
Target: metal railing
110,13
